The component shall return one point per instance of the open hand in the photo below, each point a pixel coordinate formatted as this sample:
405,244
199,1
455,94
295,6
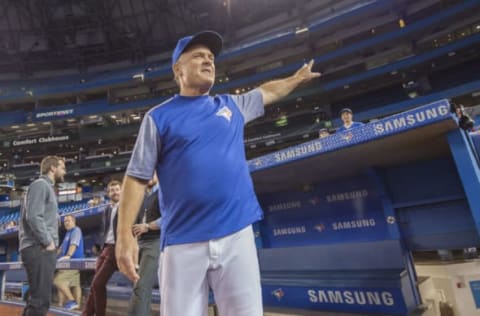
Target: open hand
305,73
126,253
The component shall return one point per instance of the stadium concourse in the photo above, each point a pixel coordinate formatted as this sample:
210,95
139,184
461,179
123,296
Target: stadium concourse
367,176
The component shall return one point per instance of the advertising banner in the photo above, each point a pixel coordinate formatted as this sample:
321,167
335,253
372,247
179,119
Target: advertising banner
339,299
343,211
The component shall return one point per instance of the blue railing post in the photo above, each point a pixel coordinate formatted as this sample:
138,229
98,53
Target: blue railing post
468,171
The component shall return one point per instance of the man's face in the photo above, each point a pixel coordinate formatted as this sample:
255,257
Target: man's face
59,171
114,193
68,222
323,134
196,68
347,117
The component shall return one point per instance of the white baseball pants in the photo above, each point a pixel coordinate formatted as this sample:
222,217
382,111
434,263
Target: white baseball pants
228,265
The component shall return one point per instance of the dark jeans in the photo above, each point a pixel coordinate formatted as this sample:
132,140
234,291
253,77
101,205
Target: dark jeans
40,267
140,301
105,267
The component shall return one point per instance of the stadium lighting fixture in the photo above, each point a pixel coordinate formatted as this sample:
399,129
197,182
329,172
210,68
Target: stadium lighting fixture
301,30
139,77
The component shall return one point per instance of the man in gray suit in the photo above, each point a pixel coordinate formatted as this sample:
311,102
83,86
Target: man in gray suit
38,234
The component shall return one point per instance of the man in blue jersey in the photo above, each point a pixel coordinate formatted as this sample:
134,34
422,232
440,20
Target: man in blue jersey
65,280
194,142
346,115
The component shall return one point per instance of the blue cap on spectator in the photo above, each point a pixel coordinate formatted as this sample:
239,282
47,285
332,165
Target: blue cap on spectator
211,39
346,110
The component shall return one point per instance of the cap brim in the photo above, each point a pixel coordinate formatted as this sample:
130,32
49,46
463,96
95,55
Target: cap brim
211,39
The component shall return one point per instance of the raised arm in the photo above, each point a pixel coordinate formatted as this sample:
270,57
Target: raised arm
275,90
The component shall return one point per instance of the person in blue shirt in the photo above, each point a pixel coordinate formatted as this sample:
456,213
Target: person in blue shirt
194,141
65,280
346,115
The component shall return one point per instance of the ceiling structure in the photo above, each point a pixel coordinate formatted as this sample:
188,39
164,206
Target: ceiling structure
45,35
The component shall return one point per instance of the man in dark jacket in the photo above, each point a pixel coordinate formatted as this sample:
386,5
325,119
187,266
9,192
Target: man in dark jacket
38,234
147,231
106,264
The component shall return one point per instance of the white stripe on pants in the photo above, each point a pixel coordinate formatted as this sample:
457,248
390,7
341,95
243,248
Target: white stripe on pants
228,265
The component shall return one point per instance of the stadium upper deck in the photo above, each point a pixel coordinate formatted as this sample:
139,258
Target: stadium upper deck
378,57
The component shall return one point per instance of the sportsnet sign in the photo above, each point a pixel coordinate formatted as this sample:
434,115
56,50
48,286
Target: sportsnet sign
48,115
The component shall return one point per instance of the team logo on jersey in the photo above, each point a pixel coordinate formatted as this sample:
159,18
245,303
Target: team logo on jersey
347,137
278,293
225,113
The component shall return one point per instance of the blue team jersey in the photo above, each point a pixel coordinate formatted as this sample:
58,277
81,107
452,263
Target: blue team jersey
196,146
73,236
354,125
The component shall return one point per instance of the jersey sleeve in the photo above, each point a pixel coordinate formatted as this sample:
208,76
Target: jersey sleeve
75,237
250,104
145,153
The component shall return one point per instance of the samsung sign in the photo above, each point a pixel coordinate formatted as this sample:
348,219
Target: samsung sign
40,140
411,118
341,299
415,118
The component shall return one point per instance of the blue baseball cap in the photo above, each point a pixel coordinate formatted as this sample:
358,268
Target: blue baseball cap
211,39
346,110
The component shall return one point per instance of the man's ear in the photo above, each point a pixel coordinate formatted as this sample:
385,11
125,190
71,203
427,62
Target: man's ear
176,70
